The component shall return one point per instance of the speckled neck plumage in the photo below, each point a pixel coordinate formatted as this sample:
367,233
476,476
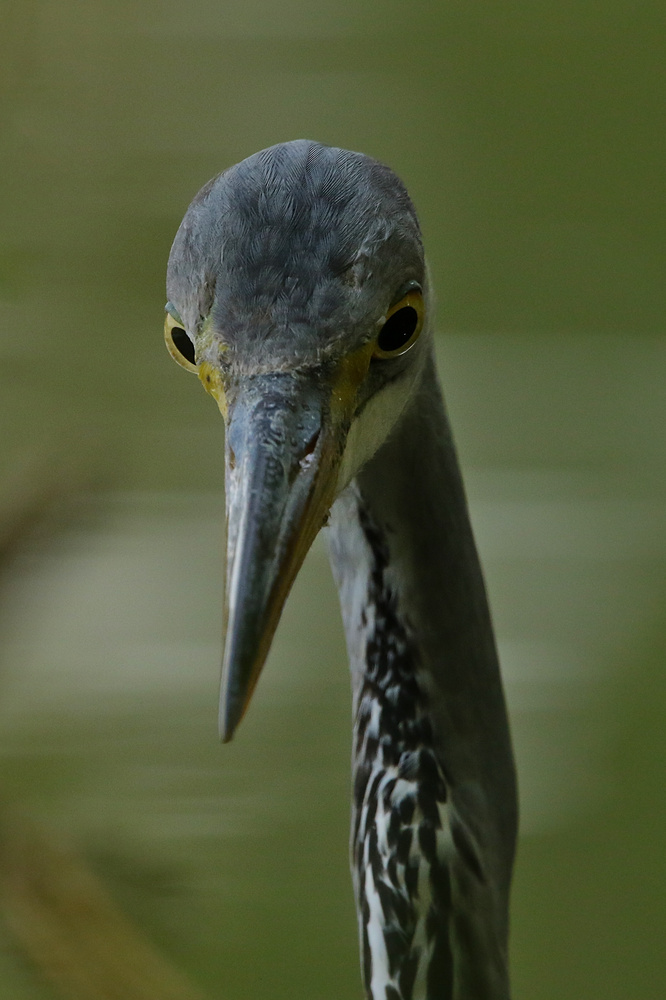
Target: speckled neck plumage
401,833
433,822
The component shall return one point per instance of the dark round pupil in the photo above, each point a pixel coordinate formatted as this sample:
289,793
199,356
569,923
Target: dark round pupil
183,344
398,329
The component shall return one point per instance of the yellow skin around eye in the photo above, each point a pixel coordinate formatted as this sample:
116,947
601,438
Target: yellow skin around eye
352,369
413,300
169,324
211,380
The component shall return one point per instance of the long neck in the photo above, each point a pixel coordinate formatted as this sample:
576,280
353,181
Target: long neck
434,814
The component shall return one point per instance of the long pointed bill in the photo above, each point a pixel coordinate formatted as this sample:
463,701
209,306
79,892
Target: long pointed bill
285,436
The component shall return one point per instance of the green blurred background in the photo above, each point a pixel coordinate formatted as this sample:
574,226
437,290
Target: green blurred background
531,137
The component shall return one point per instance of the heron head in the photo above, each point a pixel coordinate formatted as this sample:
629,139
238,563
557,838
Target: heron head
297,292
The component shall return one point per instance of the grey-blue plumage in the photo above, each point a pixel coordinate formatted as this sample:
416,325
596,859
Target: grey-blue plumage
299,293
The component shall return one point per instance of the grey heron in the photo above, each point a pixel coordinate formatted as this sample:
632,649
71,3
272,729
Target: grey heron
299,293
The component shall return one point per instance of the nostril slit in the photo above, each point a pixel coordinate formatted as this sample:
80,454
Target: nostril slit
307,456
231,457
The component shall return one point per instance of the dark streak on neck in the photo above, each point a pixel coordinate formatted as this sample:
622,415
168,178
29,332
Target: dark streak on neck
401,748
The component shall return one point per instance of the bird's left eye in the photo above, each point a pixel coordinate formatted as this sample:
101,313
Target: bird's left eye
401,327
179,345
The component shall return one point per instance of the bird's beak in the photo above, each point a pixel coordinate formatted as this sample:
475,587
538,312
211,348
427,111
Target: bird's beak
285,435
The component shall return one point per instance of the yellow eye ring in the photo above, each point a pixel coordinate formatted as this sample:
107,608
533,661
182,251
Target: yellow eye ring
179,345
401,327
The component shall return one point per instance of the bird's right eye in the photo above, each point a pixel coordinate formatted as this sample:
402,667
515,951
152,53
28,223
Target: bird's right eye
179,345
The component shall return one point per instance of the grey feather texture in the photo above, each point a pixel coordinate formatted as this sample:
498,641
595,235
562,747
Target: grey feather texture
290,253
282,265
